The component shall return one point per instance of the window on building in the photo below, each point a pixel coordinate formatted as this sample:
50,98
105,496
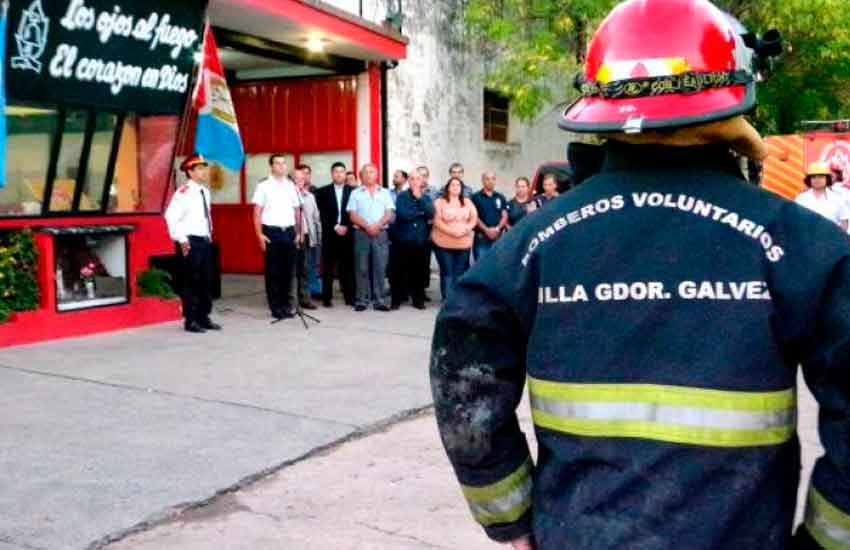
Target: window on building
86,161
143,171
93,179
320,164
496,109
71,147
30,134
225,185
257,169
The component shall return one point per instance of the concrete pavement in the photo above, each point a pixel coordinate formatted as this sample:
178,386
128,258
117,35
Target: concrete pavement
109,432
258,437
393,490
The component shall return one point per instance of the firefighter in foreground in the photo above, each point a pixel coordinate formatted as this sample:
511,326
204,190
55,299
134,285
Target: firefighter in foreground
659,313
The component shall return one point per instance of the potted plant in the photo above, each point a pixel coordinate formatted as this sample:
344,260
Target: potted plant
18,266
155,282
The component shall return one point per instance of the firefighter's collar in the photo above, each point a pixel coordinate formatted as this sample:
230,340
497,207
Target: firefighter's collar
620,157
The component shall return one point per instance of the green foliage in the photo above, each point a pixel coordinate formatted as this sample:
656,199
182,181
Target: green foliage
18,273
536,46
811,81
155,282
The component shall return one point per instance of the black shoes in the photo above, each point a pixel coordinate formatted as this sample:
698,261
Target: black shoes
281,315
382,307
194,328
209,325
327,303
419,305
359,307
395,306
202,327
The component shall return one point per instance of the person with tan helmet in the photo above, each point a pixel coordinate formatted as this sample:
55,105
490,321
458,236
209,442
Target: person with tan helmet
820,197
657,313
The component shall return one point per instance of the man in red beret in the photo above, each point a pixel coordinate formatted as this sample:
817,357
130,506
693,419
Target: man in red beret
190,225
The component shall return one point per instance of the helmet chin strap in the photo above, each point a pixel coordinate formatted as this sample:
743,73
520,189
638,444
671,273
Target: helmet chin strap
737,132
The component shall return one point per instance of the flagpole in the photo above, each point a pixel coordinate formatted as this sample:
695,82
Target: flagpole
186,116
197,74
4,13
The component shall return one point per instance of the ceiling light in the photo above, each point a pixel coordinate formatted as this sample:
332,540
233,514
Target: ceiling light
316,45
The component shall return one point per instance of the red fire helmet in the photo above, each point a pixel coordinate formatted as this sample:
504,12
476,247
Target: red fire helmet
661,64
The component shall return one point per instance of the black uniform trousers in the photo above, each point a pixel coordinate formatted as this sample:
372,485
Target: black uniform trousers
197,280
407,279
280,253
426,265
338,257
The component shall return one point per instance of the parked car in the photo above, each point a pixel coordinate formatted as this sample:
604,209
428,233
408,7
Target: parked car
561,170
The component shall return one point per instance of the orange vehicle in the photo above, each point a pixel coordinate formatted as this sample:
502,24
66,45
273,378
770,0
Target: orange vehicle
823,141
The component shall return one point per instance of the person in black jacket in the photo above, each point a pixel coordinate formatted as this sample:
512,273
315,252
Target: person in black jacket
338,245
658,314
410,230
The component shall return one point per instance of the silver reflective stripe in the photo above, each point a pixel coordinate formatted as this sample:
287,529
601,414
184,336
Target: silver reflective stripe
666,414
831,530
504,505
829,525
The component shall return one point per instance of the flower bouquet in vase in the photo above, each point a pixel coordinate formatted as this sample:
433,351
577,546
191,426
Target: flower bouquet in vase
87,277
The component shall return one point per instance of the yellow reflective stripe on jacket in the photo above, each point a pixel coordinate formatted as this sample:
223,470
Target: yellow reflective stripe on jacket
504,501
829,526
665,413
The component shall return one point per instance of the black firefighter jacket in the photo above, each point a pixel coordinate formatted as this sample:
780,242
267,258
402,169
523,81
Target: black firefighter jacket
658,313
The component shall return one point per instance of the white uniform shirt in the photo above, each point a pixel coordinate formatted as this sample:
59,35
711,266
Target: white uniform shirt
185,214
831,204
278,199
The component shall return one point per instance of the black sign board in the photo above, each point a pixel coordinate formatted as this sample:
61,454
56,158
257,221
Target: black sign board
128,55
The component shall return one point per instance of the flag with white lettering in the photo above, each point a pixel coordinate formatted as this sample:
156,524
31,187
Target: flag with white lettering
217,135
4,9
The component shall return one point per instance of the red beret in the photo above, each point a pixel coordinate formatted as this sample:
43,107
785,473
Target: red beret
192,161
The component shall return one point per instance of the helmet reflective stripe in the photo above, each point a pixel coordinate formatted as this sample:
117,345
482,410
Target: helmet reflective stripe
829,526
623,70
504,501
665,413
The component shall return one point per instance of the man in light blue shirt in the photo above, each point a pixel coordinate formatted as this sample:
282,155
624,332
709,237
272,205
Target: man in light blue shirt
371,209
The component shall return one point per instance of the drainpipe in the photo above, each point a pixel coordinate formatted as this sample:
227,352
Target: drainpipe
385,161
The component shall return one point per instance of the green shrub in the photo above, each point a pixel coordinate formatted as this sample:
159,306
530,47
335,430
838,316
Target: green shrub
155,282
18,272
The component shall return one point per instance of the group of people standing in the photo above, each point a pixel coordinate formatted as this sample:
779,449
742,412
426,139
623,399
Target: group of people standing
353,230
457,223
370,236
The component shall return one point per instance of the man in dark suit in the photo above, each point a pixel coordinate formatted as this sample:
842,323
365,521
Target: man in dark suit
338,245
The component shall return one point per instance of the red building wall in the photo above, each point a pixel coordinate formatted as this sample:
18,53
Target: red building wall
149,238
288,116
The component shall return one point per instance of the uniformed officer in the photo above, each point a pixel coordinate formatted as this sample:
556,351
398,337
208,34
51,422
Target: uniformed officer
277,224
190,225
658,313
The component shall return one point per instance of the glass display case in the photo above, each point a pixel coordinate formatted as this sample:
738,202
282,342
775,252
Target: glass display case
91,266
